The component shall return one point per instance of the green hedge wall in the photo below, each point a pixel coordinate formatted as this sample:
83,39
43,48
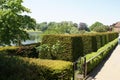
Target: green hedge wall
106,50
24,51
76,45
65,41
19,68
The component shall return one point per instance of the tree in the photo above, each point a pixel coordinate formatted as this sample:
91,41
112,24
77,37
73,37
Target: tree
64,27
83,26
101,28
75,25
96,24
42,26
13,22
74,30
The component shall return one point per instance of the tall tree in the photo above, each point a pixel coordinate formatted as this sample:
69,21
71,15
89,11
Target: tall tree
42,26
13,22
99,27
96,24
83,26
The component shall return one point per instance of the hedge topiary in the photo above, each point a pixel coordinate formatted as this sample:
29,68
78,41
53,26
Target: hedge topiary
106,50
75,46
25,51
19,68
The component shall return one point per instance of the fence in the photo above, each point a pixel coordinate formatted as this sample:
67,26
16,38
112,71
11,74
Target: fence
83,67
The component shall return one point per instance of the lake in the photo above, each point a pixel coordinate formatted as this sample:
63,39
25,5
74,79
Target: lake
34,37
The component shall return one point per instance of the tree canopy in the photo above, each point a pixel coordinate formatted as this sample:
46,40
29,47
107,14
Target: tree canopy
64,27
102,28
83,26
99,27
13,22
96,24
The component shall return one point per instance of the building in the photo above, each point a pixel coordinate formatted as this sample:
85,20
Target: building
116,26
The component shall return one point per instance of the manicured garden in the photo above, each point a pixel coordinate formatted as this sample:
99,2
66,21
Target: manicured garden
53,58
94,58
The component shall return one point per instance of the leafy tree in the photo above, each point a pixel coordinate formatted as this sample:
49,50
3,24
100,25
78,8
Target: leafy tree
101,28
83,26
96,24
64,27
60,28
42,26
52,25
75,25
13,22
74,30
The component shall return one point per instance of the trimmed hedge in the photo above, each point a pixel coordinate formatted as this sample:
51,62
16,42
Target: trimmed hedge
106,50
24,51
19,68
76,45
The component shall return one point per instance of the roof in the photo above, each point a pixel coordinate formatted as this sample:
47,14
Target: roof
116,25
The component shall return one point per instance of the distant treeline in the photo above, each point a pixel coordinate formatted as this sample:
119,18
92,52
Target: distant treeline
68,27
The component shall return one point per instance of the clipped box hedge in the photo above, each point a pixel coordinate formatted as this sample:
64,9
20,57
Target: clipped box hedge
19,68
24,51
106,50
76,45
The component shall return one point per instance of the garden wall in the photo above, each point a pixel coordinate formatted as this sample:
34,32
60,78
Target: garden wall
74,46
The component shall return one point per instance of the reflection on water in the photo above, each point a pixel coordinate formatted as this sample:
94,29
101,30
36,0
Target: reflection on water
34,38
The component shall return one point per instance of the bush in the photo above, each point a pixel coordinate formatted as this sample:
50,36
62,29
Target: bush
18,68
105,50
74,46
9,50
25,51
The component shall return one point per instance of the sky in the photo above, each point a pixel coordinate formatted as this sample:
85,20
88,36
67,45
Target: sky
87,11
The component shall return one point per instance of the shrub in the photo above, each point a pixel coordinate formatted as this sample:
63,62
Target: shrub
52,49
74,45
18,68
105,50
25,51
8,50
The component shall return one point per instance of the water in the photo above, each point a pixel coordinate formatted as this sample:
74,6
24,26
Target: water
34,38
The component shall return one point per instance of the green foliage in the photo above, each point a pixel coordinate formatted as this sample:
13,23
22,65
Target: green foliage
27,51
74,46
101,28
74,30
8,50
24,51
93,63
50,41
52,49
87,44
18,68
64,27
42,26
83,26
13,22
96,24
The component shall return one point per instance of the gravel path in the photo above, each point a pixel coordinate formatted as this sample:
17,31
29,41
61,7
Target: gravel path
111,68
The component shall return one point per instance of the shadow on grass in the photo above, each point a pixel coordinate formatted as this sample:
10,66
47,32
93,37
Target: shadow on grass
93,73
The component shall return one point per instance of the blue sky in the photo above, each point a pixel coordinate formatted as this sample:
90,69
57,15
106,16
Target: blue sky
88,11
